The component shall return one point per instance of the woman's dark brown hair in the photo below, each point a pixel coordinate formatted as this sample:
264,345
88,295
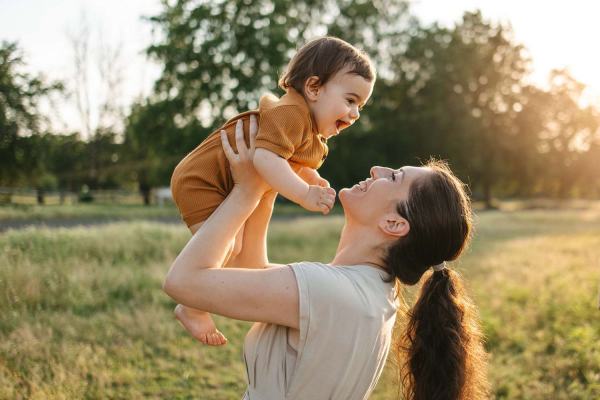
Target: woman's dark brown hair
440,349
323,58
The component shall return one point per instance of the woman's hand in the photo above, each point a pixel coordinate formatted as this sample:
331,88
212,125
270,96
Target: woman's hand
242,168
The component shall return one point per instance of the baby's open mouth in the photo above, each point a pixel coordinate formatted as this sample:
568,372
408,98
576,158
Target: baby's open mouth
339,125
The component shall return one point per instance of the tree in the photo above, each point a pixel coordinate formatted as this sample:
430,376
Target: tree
219,57
455,94
102,119
20,93
568,135
148,154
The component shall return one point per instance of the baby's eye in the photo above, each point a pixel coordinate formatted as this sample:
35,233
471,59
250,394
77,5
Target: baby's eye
393,176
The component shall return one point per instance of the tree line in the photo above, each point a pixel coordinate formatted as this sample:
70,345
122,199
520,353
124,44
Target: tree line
459,93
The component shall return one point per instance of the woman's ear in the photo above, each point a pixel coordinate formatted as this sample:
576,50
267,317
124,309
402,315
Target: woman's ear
312,88
394,225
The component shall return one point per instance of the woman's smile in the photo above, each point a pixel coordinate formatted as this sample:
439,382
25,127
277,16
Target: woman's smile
363,186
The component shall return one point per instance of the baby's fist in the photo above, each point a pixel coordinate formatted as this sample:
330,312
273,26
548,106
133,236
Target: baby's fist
319,198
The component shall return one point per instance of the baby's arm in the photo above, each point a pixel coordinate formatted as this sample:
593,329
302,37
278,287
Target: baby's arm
312,177
279,175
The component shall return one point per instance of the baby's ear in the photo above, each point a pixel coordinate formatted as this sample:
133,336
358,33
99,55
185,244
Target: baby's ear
312,88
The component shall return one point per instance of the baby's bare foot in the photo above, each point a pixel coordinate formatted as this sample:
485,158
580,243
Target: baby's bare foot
200,325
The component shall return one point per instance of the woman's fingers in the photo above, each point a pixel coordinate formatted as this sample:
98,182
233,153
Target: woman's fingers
229,153
253,132
239,139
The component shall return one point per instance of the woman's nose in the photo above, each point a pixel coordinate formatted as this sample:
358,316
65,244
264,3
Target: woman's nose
375,171
354,113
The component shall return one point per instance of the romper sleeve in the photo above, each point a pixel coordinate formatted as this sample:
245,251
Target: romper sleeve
281,130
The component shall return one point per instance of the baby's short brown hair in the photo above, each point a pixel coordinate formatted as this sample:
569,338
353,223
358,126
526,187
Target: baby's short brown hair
323,58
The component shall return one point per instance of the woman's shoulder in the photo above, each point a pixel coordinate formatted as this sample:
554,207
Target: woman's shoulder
340,279
358,270
360,291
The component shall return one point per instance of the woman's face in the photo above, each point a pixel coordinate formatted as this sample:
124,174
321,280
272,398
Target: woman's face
369,200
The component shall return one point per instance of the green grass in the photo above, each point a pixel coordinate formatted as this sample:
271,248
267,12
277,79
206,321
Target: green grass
27,212
115,211
110,212
82,314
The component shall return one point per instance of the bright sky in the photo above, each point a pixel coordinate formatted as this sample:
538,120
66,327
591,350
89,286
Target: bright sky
557,33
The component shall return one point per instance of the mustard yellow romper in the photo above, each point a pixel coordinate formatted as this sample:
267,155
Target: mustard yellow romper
202,180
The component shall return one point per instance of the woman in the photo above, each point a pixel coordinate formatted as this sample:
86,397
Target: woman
323,331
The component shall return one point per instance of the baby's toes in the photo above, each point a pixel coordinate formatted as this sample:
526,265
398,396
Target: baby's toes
216,340
222,338
209,339
203,337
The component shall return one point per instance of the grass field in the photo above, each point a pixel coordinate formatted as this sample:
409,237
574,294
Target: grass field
113,212
82,314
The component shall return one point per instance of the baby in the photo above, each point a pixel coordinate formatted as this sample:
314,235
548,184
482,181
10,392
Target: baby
327,83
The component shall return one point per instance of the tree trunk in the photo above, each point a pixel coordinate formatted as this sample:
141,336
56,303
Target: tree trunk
487,195
40,196
145,191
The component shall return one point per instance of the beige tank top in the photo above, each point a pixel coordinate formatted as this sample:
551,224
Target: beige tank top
347,314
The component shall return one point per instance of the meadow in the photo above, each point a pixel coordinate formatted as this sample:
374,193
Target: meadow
82,315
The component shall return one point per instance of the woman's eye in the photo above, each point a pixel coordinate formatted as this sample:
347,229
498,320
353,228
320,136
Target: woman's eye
350,101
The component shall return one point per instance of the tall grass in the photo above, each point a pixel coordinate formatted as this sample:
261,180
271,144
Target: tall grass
82,314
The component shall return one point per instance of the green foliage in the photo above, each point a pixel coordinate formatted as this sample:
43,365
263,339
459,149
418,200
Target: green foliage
82,314
569,145
454,95
219,57
20,93
460,93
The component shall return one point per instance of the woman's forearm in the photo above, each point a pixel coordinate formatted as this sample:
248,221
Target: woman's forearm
209,245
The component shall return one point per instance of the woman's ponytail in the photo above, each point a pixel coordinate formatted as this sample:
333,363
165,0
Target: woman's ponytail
441,344
440,349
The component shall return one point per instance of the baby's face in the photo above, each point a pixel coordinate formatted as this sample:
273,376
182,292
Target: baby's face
339,102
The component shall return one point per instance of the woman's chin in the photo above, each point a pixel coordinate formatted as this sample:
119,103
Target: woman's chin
345,195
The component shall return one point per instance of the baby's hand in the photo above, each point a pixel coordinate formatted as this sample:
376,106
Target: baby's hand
319,198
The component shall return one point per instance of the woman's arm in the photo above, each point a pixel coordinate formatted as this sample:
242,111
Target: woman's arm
196,278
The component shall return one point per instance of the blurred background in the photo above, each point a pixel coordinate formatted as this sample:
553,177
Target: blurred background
99,100
99,96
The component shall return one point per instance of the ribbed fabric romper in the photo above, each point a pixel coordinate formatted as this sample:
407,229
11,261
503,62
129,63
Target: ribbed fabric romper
202,180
